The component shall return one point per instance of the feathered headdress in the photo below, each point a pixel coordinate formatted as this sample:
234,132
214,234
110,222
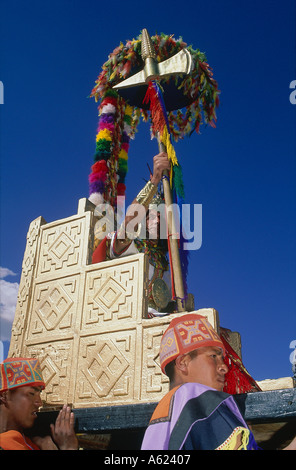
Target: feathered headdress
197,93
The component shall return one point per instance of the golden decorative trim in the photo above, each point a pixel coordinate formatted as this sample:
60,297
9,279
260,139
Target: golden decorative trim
146,195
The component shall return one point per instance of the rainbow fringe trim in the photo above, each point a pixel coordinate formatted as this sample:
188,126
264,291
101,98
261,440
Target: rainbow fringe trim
108,173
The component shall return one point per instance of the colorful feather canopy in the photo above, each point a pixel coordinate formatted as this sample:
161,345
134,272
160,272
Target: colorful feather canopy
118,118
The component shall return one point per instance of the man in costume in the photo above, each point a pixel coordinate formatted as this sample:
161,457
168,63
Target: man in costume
128,240
196,414
21,384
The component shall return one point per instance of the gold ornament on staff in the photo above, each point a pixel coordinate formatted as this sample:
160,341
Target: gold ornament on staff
178,64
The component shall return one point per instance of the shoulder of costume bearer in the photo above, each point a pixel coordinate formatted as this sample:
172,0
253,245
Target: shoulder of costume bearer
179,396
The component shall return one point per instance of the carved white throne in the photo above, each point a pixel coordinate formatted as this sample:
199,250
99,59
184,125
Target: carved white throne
86,322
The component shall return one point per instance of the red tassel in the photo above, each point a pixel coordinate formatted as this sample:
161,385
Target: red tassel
237,379
157,117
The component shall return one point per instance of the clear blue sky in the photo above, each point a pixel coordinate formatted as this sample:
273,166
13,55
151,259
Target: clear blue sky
243,172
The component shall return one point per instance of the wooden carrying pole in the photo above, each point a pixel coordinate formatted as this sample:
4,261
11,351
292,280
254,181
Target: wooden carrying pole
177,277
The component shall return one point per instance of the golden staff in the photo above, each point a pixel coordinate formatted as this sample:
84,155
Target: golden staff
179,64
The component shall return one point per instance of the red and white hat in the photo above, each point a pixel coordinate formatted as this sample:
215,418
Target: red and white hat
185,334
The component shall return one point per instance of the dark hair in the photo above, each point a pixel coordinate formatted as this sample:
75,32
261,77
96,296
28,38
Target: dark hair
170,370
170,367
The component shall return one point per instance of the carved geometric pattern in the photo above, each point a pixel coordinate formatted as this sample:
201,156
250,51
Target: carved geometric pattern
106,368
25,288
54,306
112,295
61,246
153,381
56,365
